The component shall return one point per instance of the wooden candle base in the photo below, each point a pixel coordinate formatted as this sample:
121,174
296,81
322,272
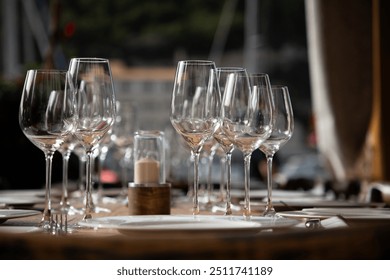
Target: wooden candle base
149,199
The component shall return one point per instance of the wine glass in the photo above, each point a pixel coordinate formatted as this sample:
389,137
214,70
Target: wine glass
222,73
246,119
282,130
123,131
95,111
46,117
195,109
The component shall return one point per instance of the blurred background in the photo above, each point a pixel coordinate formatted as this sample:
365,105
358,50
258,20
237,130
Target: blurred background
144,40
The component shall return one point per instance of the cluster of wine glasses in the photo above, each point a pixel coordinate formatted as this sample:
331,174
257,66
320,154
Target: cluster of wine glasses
223,107
62,109
240,110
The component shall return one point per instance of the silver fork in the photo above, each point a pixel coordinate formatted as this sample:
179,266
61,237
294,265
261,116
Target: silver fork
59,225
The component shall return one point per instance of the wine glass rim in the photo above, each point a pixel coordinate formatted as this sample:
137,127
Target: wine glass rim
230,68
47,70
147,132
278,86
197,61
258,74
90,59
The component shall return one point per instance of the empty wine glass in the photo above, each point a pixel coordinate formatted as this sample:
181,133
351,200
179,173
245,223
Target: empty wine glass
46,117
222,73
282,130
246,119
123,131
195,109
95,111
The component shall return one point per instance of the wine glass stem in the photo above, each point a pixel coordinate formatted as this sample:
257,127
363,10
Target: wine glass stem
101,159
228,184
126,159
65,164
269,209
88,188
210,187
195,208
247,164
47,218
222,178
82,161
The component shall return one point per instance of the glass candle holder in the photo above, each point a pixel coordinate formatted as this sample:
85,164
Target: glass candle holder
149,194
149,157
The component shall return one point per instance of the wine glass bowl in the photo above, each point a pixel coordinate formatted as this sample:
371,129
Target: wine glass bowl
195,109
282,130
46,117
95,110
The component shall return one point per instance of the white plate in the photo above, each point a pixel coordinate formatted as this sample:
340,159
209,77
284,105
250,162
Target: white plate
350,213
179,224
22,197
21,200
33,194
19,229
304,215
6,214
279,194
23,192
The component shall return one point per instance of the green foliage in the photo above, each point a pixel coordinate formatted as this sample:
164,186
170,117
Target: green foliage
152,31
283,21
136,30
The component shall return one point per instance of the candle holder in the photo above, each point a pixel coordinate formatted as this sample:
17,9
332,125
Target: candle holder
149,194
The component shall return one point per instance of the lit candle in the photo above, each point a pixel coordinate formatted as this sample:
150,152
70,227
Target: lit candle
146,170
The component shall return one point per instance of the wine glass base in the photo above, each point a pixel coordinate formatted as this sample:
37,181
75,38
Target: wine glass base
70,210
269,212
195,210
247,213
98,209
46,223
221,207
95,210
273,215
46,226
87,216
